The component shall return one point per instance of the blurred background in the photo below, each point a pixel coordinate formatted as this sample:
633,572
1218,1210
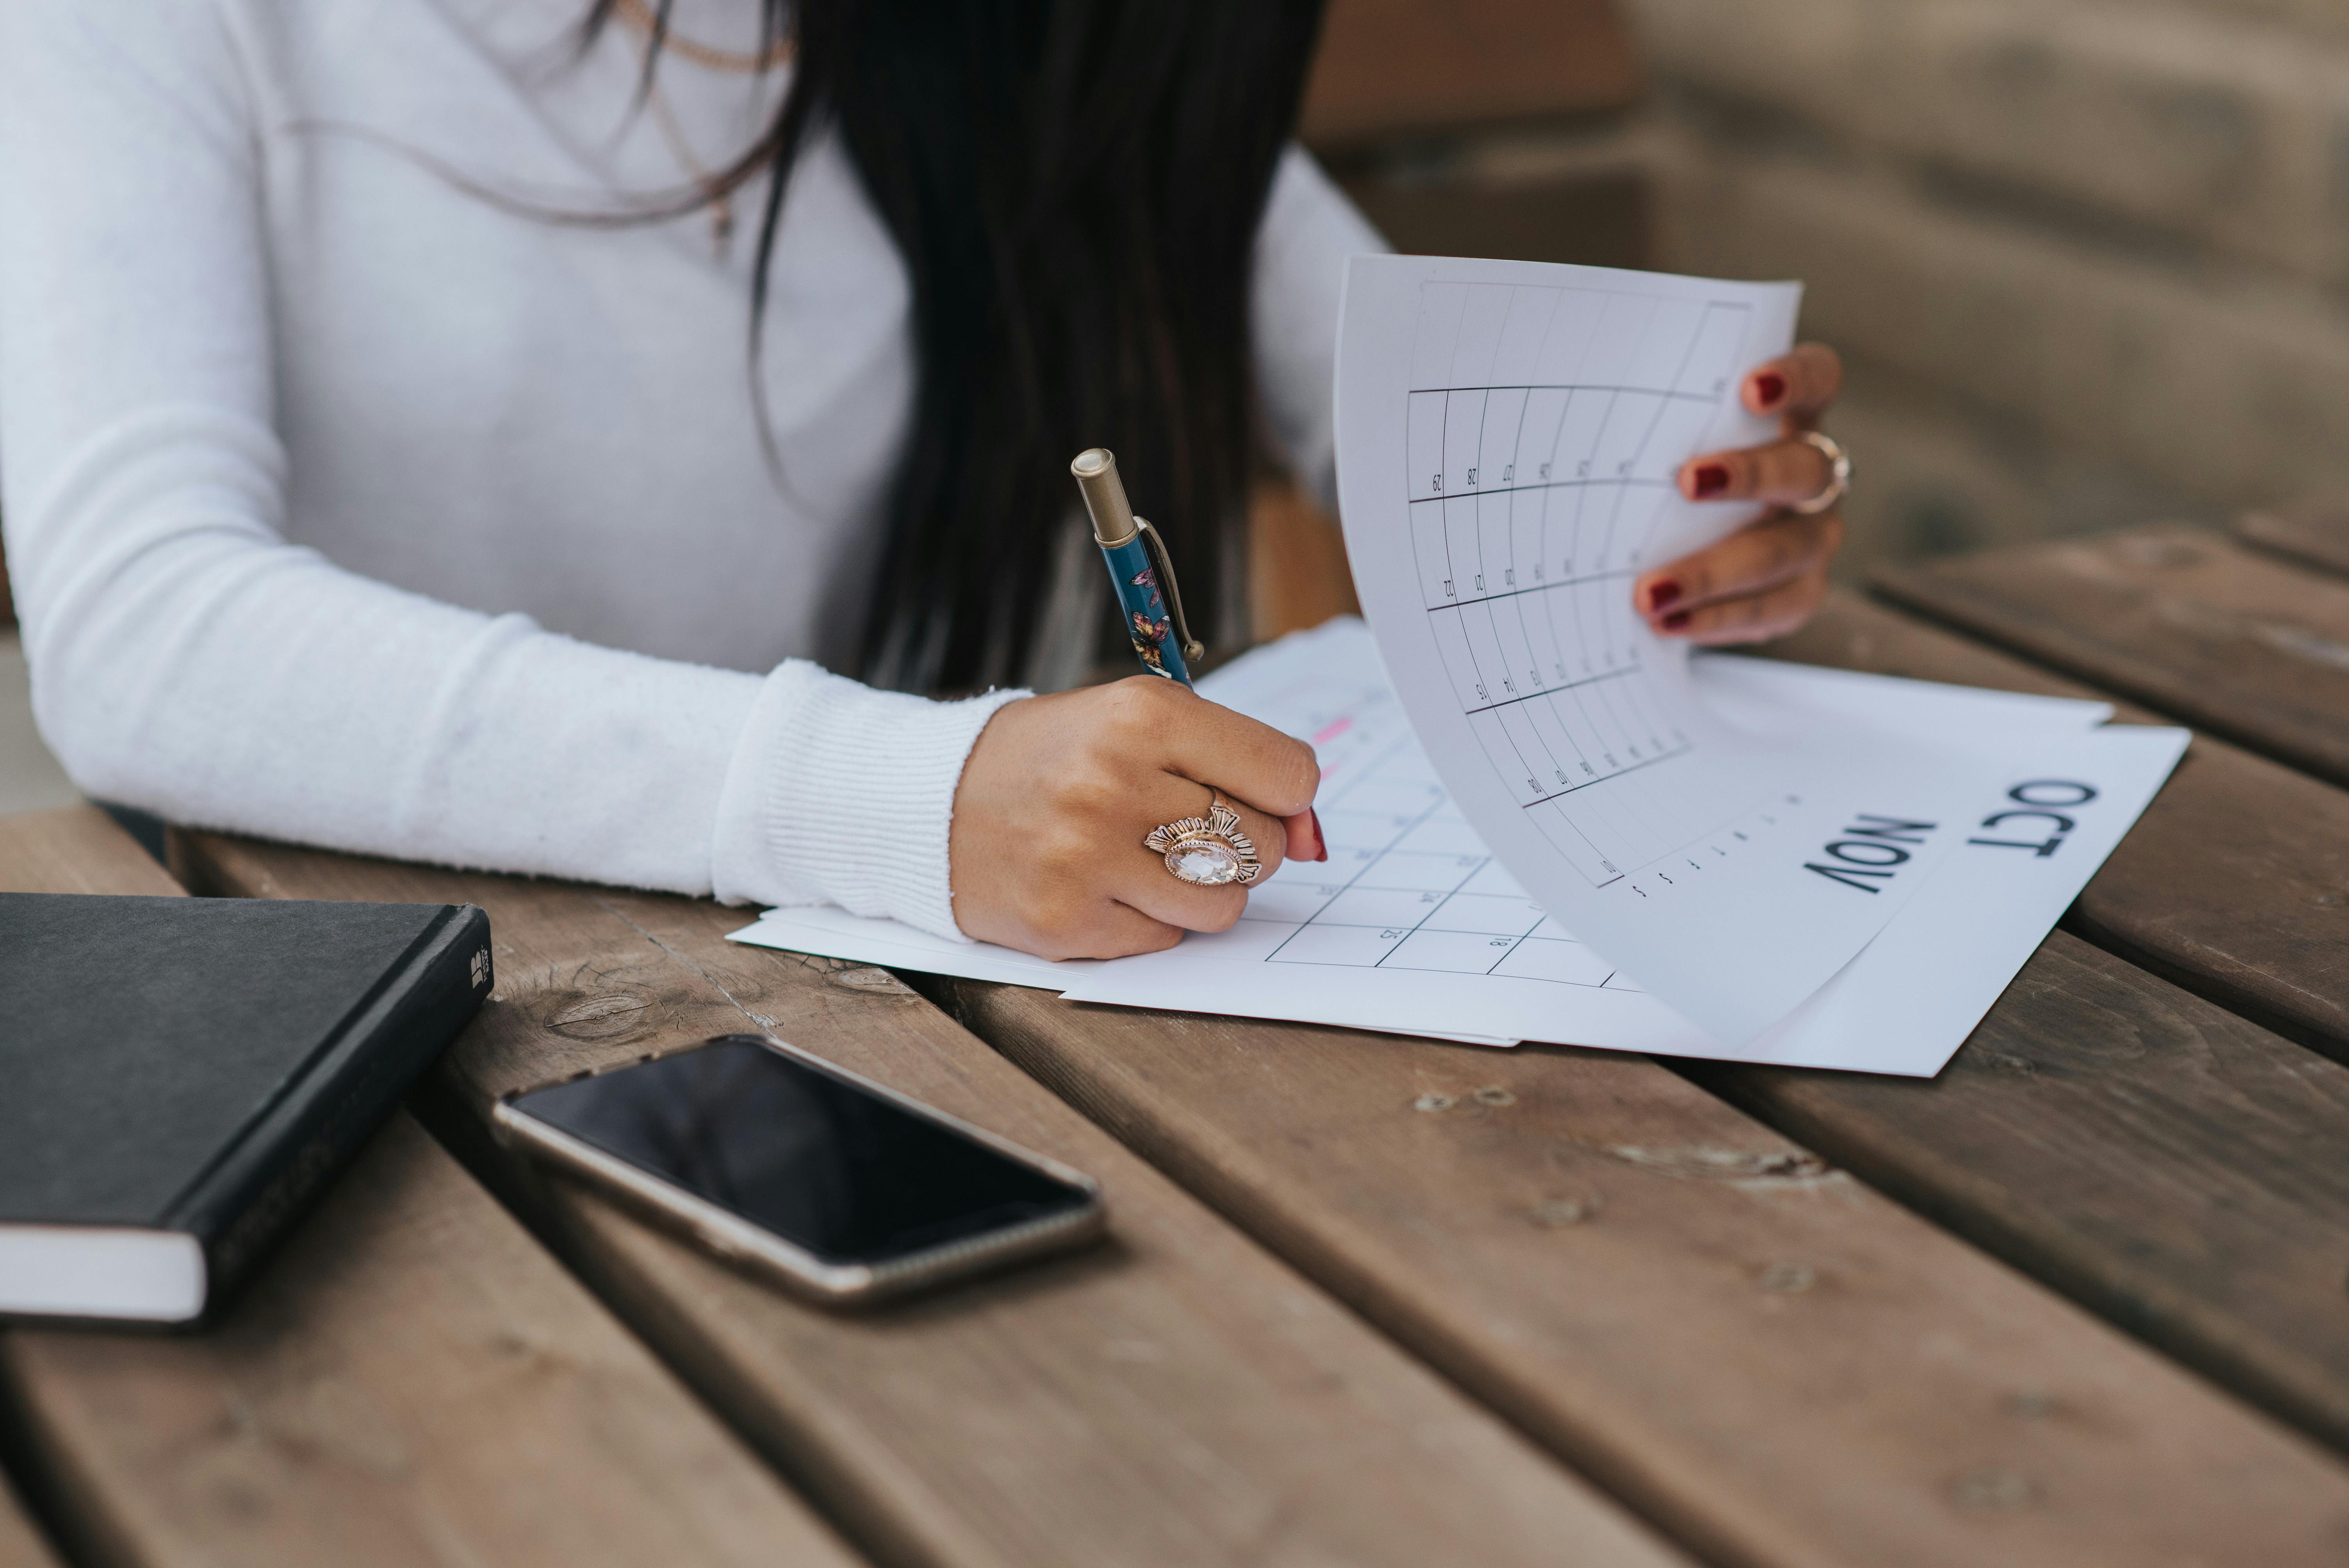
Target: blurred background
2087,260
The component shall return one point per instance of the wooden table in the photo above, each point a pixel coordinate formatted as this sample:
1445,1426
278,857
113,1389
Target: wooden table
2084,1298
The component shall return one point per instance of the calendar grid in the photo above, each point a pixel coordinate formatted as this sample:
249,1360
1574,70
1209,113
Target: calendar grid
1532,500
1468,916
1575,387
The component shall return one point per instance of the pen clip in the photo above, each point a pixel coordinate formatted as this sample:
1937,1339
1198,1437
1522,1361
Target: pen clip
1163,565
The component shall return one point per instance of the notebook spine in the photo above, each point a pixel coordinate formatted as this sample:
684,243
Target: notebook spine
347,1090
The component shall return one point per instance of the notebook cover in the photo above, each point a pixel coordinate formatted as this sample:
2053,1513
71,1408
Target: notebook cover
203,1065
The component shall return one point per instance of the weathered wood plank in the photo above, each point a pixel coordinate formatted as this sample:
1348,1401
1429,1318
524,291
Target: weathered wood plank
2235,882
77,850
2179,1171
21,1545
2218,1237
2315,536
2179,619
1778,1363
412,1380
1388,68
1175,1396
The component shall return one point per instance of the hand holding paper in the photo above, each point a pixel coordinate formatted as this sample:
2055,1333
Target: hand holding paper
1547,824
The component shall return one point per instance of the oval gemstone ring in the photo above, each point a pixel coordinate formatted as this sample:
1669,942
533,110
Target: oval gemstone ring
1209,851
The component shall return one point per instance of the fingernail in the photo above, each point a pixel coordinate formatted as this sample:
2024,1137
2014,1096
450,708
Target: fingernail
1768,387
1661,594
1676,619
1710,480
1320,839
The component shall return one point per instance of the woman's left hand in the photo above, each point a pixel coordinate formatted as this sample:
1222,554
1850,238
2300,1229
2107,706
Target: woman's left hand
1764,579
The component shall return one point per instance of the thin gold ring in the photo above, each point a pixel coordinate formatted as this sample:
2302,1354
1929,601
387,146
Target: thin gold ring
1839,483
1209,851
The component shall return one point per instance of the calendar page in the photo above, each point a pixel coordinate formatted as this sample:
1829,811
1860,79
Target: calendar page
1509,435
1411,925
1409,886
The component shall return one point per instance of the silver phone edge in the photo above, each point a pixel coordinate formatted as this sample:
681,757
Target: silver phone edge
737,1240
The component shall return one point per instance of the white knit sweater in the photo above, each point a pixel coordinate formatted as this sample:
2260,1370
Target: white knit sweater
346,504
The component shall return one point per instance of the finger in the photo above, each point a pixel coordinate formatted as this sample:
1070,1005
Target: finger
1784,472
1070,915
1755,618
1149,889
1143,882
1305,840
1115,930
1774,550
1799,385
1252,763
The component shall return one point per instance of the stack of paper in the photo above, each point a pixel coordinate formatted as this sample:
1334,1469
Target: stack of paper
1412,927
1615,846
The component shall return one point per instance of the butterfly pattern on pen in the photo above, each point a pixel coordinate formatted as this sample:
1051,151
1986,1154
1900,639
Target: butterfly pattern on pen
1151,630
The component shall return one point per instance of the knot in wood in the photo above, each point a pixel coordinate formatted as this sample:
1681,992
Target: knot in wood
1703,1162
1553,1214
1494,1094
603,1016
1432,1101
1993,1489
866,977
2161,552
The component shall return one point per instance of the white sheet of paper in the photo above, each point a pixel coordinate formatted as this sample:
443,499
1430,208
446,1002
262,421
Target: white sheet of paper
1410,927
832,932
1508,437
1741,689
1911,997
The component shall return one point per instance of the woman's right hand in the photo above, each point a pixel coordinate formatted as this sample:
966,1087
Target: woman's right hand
1059,791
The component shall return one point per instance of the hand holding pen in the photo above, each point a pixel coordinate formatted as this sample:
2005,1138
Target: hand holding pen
1048,849
1206,850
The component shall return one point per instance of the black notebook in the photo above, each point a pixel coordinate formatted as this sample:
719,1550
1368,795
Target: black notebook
180,1076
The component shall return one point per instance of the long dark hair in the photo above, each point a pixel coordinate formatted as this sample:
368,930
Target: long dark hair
1074,186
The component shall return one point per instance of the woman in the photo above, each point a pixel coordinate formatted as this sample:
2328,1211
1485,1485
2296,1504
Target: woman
380,469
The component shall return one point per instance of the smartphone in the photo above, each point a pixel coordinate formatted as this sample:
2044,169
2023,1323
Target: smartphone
840,1190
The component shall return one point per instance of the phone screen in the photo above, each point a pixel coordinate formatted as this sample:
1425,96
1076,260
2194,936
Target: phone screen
827,1165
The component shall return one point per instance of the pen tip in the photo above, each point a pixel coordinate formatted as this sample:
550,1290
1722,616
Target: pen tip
1093,460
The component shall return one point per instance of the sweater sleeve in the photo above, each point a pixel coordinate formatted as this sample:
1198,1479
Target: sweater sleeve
1308,231
186,658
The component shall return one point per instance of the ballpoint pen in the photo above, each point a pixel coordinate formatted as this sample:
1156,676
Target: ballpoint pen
1139,570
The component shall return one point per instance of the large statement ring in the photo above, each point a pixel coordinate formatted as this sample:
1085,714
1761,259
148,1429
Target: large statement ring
1209,851
1839,474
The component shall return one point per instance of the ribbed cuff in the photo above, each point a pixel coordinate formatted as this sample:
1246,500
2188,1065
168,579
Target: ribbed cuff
840,794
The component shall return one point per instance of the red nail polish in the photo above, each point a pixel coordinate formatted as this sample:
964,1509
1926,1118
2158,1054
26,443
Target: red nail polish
1710,480
1676,619
1320,839
1661,594
1769,386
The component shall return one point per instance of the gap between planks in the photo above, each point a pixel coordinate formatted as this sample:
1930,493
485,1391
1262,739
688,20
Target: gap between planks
410,1379
1719,1325
2181,619
2315,536
2184,1171
1962,677
1178,1395
2234,884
